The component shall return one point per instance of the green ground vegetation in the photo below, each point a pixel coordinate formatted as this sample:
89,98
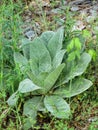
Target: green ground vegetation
83,106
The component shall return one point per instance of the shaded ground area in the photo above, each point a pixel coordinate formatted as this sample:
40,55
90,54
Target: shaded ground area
49,15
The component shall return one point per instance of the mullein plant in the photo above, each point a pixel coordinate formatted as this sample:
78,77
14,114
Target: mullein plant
52,74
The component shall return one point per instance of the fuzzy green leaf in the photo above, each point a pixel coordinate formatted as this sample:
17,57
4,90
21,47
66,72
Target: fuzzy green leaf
55,43
57,106
21,60
29,122
77,69
52,78
58,58
27,86
26,47
39,57
46,36
33,105
77,86
13,99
